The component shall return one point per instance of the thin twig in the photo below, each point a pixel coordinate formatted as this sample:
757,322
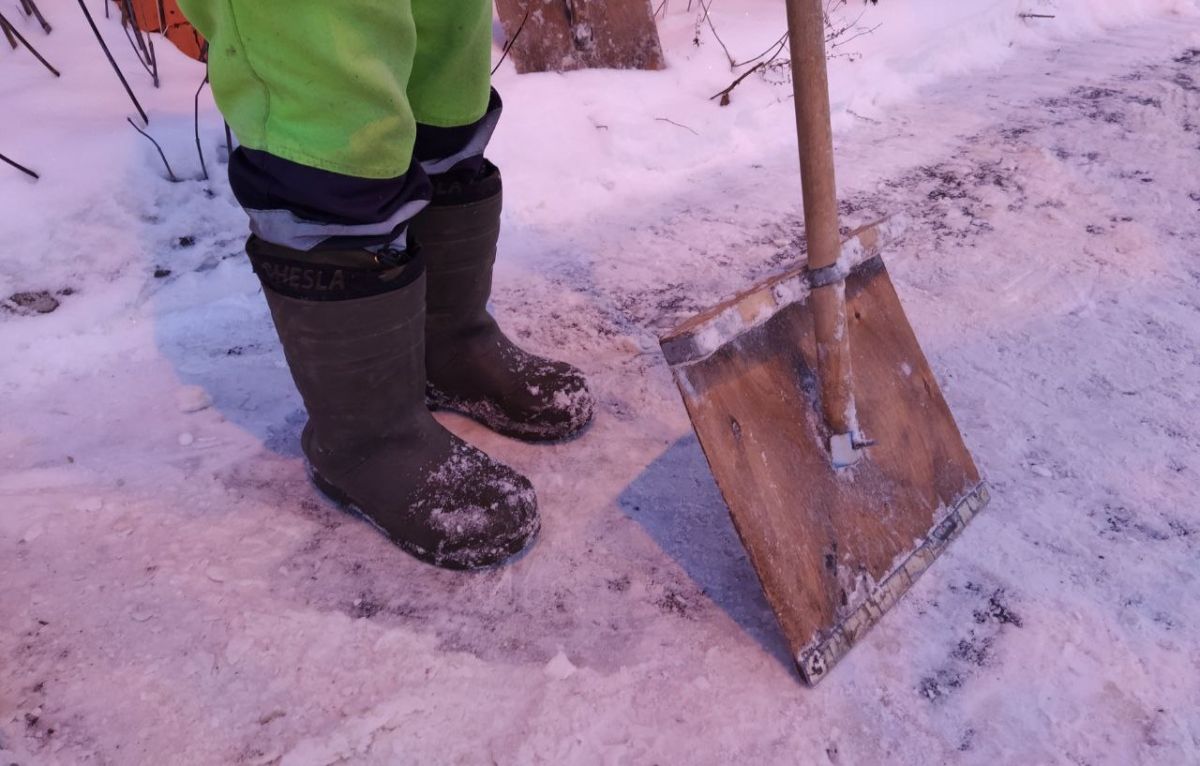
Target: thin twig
170,173
853,113
19,167
835,43
9,35
228,142
10,29
677,124
724,95
508,45
835,37
713,27
196,125
1035,16
31,9
153,58
136,52
144,51
782,39
112,61
129,17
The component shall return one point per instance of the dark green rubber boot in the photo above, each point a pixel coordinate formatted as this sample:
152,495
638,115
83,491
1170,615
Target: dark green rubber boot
473,367
352,328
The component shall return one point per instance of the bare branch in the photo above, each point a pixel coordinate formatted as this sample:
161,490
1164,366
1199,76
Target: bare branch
100,39
725,95
170,173
196,124
31,9
144,46
782,39
19,167
10,31
676,124
508,45
837,35
706,17
12,41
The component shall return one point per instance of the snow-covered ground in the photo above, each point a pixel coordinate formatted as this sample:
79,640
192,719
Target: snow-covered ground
172,590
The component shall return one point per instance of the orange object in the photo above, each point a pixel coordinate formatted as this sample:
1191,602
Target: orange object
164,17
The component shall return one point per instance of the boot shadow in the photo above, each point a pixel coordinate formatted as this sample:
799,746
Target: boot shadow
676,501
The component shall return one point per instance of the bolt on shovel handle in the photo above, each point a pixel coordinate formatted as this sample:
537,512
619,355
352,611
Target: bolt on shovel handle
814,131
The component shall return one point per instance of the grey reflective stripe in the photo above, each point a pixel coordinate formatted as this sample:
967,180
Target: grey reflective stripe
483,133
283,227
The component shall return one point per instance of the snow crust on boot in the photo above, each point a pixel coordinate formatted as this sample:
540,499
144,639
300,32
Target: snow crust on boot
513,392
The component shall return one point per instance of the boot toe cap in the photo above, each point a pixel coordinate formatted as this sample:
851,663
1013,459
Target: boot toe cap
468,511
571,407
479,512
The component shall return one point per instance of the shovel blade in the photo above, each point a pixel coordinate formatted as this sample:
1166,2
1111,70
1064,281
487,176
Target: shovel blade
834,549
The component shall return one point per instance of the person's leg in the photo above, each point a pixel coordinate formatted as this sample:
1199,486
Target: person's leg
317,94
472,366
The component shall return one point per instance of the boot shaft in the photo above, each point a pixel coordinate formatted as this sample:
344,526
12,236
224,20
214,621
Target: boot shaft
458,233
358,363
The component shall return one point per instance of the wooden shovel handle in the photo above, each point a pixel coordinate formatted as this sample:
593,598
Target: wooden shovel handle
810,83
806,29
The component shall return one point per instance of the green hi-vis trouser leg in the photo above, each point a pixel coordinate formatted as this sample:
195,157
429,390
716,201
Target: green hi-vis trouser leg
341,84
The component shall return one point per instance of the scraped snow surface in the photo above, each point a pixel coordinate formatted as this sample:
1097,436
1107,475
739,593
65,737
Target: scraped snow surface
173,590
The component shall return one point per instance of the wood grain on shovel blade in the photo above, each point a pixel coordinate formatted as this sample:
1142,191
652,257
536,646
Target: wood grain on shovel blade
833,549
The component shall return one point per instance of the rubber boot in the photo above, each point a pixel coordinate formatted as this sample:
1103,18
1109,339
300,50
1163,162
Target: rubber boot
473,368
352,328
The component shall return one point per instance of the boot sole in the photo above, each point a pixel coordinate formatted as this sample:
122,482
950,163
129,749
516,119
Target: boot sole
342,500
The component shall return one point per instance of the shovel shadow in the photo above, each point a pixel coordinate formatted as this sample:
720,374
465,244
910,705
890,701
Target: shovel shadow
676,501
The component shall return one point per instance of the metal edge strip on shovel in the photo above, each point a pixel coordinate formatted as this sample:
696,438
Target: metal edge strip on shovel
824,427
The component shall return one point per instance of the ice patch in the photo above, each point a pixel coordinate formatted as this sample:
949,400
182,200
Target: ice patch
192,399
560,667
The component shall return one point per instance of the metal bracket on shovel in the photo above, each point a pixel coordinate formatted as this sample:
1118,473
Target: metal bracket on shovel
846,450
829,275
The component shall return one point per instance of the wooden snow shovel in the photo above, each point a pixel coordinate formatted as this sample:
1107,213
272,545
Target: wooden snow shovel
843,487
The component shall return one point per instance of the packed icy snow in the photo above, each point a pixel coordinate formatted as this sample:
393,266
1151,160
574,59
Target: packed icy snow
173,590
